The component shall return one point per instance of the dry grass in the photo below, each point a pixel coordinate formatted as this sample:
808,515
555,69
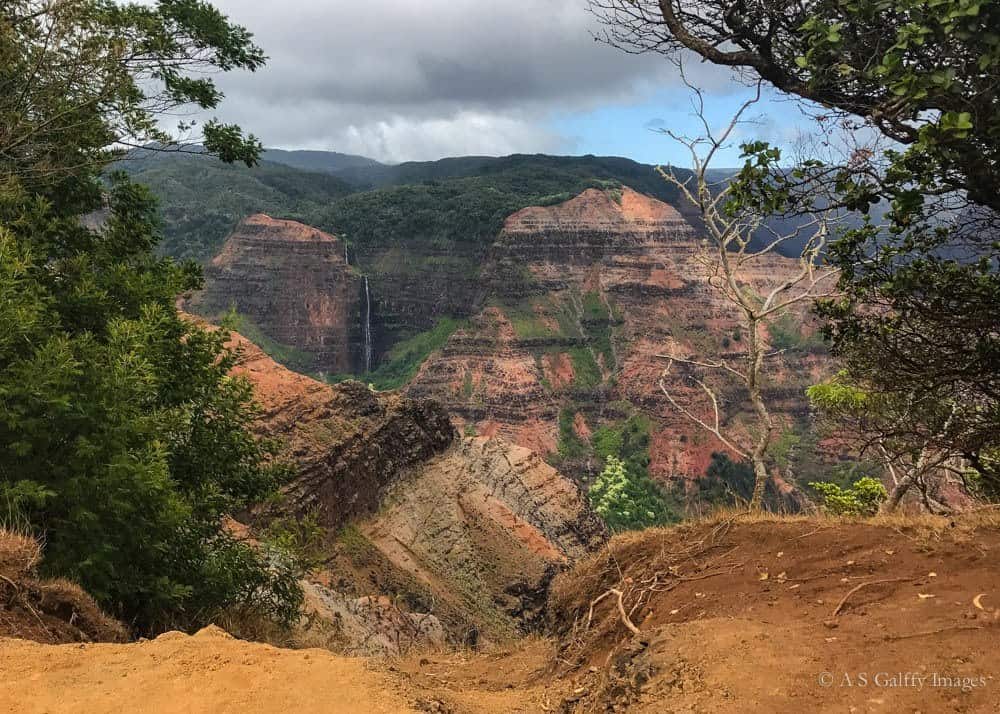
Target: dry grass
50,611
311,632
19,555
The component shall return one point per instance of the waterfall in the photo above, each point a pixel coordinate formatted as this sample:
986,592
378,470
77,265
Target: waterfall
346,259
368,328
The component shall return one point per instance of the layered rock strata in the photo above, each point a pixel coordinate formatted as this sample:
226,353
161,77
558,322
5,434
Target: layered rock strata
585,297
469,530
294,284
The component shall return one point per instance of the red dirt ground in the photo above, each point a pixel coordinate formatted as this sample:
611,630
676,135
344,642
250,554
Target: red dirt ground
734,615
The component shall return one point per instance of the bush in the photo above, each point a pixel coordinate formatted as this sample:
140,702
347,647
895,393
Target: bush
863,498
126,439
627,501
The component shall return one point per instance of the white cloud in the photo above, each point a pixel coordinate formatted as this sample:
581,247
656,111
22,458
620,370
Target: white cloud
413,79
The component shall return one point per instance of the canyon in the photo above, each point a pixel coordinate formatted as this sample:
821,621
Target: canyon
554,330
430,537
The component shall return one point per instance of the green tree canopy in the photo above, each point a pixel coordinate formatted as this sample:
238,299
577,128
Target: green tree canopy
124,441
919,309
628,500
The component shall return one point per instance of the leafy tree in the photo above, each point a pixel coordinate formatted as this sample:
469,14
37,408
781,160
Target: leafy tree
882,424
918,313
80,76
124,439
627,501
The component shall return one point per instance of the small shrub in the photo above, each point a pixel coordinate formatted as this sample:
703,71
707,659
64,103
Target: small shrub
863,498
628,501
298,541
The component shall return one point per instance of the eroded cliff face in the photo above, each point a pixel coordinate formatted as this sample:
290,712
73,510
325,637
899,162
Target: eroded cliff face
348,443
293,283
583,298
420,522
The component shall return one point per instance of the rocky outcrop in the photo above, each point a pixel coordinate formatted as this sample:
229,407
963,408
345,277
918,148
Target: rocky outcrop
347,442
484,527
469,530
370,625
293,283
566,316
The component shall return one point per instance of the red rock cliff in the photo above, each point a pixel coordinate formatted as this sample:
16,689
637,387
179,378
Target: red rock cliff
294,284
585,295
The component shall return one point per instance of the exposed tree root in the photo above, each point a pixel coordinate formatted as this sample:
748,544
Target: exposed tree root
840,605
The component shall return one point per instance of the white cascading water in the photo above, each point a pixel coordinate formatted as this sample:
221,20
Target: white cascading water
368,329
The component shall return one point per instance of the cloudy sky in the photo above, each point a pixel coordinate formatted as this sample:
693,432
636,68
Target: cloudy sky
401,80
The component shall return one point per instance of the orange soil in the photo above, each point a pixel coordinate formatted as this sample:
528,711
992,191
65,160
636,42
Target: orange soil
735,616
209,673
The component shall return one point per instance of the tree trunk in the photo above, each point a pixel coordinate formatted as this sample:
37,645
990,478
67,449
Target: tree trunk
759,484
898,491
755,361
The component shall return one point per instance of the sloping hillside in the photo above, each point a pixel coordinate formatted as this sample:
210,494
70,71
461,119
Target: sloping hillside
547,333
202,199
582,298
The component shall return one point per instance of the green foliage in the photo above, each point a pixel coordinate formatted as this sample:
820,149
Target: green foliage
570,445
730,483
594,309
628,501
863,498
456,206
528,325
202,200
786,333
299,542
627,440
839,395
608,441
586,372
458,214
81,76
403,361
291,357
917,312
784,447
126,440
985,487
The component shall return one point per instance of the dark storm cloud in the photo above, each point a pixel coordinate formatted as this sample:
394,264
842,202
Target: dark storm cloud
414,79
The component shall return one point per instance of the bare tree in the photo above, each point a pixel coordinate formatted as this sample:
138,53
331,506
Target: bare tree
734,224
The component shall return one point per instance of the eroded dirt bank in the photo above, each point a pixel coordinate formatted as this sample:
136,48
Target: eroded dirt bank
734,615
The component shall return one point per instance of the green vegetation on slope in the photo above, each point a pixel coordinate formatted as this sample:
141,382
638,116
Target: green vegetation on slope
291,357
624,494
202,199
126,441
628,501
404,360
460,213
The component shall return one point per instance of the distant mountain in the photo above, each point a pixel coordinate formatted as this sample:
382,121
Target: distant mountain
459,204
368,173
330,162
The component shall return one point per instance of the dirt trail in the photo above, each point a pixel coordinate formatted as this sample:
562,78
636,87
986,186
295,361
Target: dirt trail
208,673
